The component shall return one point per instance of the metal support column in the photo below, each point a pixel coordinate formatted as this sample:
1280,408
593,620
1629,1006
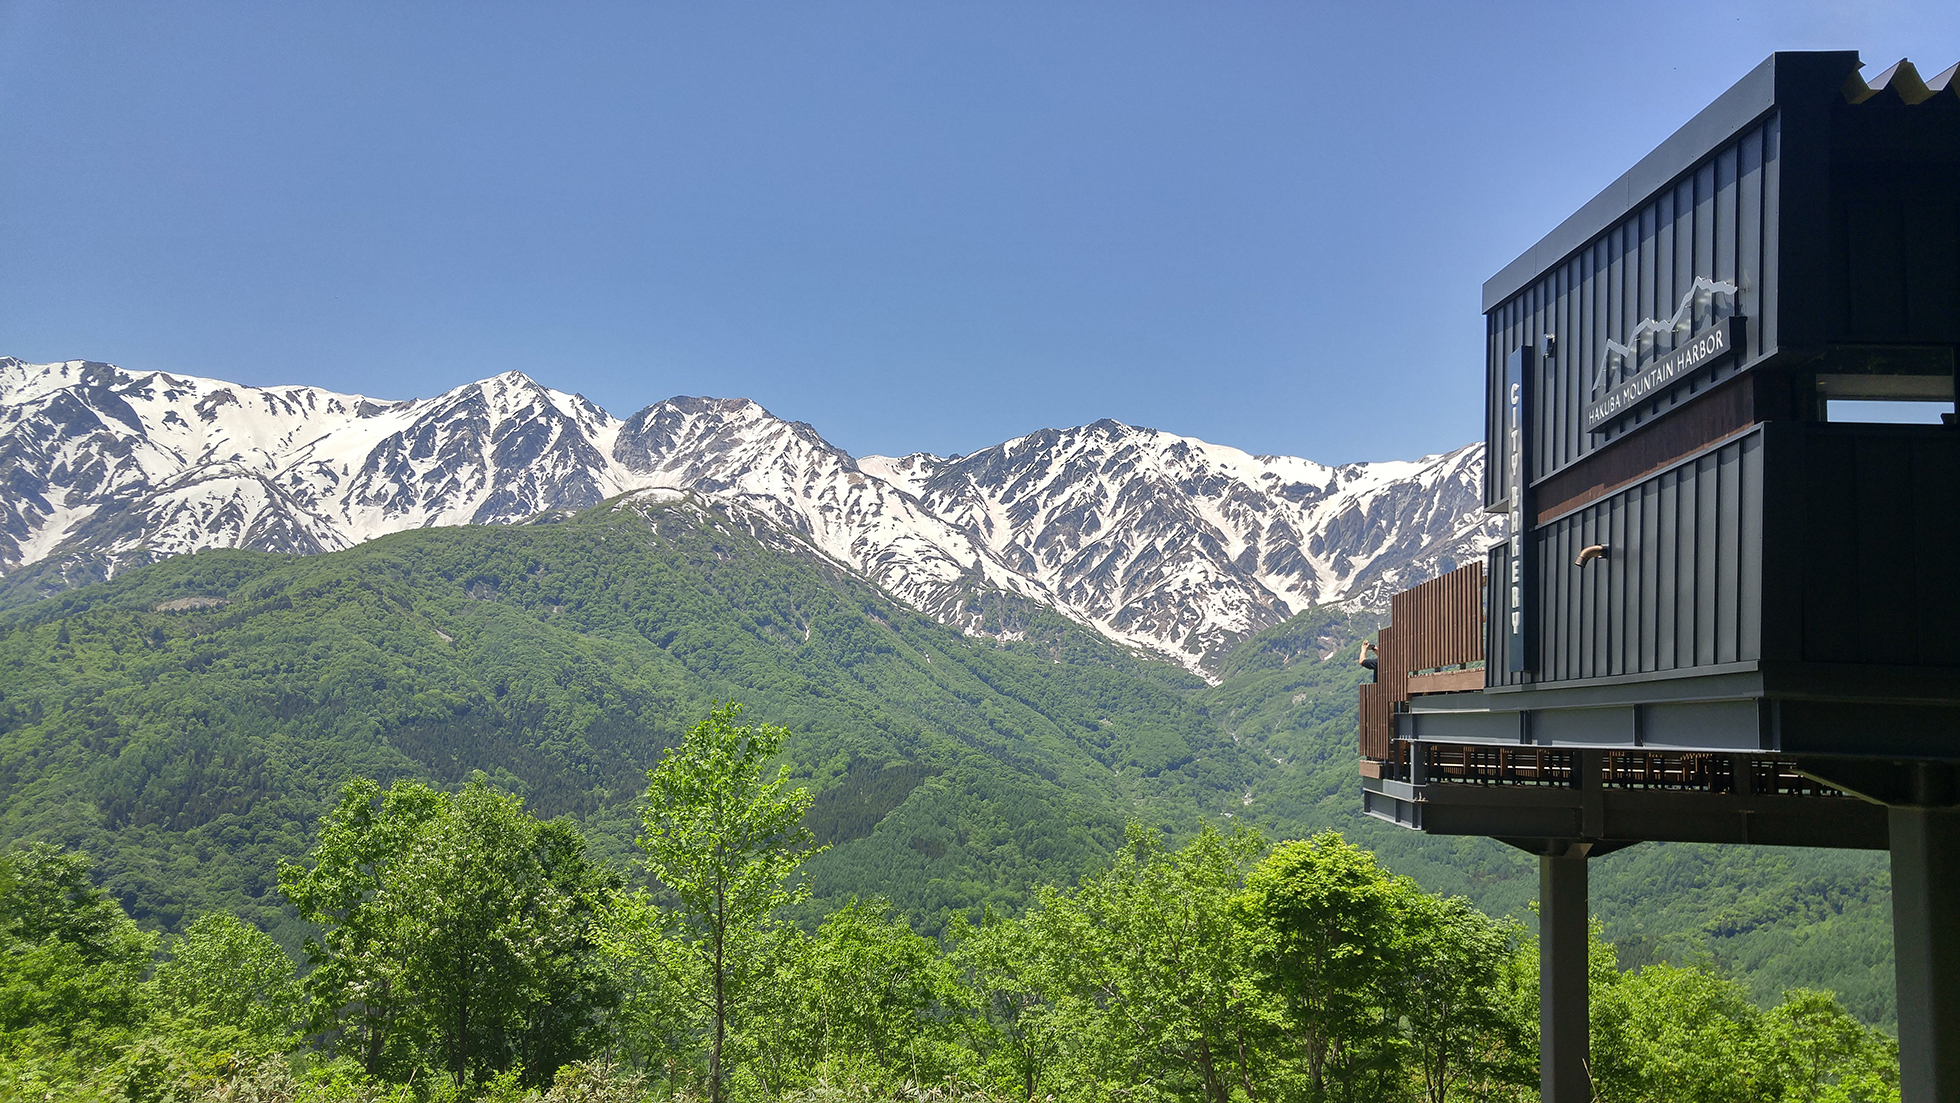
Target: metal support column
1562,988
1926,947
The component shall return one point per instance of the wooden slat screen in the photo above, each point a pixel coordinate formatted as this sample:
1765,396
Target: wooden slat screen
1439,623
1442,620
1379,698
1374,722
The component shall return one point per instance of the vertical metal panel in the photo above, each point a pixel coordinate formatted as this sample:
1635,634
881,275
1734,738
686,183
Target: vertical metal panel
1707,504
1749,239
1613,578
1878,537
1710,223
1727,203
1936,582
1785,560
1684,549
1664,539
1685,610
1728,547
1644,552
1749,587
1772,192
1566,620
1645,256
1705,219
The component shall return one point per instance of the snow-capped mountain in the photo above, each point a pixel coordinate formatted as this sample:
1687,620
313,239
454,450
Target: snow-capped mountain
1179,545
106,469
1159,541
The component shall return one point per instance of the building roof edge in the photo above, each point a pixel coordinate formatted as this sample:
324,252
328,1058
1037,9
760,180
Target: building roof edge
1747,101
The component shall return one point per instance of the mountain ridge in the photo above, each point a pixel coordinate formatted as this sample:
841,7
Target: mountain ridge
1161,542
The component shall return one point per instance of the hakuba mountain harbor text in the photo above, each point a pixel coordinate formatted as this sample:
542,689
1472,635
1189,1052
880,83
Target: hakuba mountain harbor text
361,750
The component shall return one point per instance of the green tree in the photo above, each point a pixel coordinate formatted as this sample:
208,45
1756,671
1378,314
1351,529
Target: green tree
867,1000
1680,1035
1826,1056
458,931
357,988
226,972
1328,919
1016,983
71,963
726,844
1451,982
1151,964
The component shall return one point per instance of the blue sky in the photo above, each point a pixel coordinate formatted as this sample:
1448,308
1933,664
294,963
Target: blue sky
918,226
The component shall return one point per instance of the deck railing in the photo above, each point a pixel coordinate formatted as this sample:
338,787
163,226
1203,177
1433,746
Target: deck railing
1433,643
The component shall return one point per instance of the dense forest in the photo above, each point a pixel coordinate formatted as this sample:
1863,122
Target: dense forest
188,725
465,949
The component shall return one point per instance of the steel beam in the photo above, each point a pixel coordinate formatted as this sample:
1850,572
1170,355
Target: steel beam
1627,815
1562,981
1926,949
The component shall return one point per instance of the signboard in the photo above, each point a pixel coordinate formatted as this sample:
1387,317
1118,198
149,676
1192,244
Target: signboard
1517,470
1699,351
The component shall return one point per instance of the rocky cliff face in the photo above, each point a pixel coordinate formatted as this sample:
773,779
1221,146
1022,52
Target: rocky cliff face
1181,546
1159,541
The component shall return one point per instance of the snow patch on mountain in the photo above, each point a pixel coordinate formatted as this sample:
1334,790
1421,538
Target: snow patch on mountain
1184,546
1159,541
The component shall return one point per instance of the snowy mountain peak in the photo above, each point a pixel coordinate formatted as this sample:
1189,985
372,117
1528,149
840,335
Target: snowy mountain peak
1161,541
1182,545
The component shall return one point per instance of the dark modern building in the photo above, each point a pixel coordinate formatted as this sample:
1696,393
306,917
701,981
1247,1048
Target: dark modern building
1728,607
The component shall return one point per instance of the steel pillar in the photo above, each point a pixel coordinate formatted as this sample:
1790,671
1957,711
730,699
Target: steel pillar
1926,948
1562,982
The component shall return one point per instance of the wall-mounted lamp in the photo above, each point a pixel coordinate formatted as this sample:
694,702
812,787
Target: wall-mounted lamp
1589,553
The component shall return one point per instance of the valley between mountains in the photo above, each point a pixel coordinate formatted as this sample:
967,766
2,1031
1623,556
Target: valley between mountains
220,602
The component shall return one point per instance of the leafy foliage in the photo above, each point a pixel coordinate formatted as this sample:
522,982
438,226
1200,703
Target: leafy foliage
192,750
1169,974
225,972
1668,1032
1326,913
725,843
459,932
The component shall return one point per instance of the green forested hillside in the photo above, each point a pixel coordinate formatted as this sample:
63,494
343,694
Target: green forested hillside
191,744
188,723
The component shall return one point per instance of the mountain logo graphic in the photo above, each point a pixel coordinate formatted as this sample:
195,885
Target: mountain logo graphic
1649,328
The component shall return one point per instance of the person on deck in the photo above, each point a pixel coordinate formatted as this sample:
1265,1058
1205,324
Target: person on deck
1369,658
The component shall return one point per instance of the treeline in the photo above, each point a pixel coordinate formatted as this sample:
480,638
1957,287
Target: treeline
468,950
188,751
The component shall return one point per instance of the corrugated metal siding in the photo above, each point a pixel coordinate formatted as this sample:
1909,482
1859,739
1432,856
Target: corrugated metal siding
1874,546
1717,221
1681,584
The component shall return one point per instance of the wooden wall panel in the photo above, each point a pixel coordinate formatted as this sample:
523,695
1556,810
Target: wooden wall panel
1437,624
1441,621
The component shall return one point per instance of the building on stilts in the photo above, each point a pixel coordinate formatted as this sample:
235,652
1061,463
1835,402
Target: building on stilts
1720,419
